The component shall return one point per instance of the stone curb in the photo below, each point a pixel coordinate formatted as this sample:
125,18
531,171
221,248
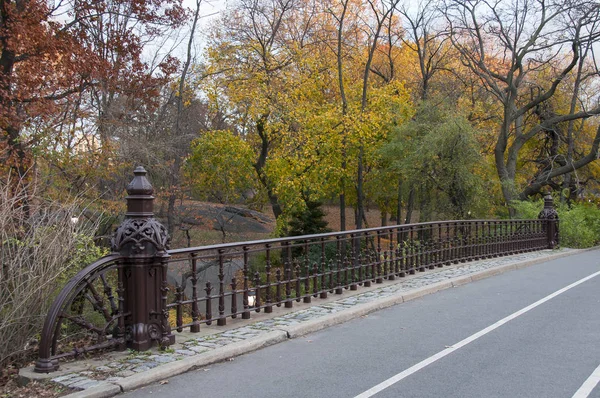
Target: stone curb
207,358
282,333
336,318
104,390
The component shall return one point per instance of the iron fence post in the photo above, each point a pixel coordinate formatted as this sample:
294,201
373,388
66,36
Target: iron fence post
550,216
143,242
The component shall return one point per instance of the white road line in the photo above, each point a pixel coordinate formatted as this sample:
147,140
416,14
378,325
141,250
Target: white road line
587,387
413,369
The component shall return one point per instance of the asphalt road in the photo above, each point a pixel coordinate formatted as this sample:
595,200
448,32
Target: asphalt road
448,344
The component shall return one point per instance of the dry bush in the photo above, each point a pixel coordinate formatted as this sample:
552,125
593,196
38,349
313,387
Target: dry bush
41,246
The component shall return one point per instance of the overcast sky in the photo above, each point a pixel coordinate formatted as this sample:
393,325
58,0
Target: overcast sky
176,43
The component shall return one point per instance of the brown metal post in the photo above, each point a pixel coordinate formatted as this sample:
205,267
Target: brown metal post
143,242
550,215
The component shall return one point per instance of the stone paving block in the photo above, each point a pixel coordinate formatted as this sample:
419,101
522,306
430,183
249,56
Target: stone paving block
141,368
104,369
74,380
246,335
64,378
208,345
245,330
199,350
185,352
224,341
163,358
85,384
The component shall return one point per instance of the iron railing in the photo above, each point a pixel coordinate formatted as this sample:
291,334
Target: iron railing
135,296
280,272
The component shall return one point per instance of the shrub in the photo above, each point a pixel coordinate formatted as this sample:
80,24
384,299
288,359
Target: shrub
527,209
579,224
308,221
42,246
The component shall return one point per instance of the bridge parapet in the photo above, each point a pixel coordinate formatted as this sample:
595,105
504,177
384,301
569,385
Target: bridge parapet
251,276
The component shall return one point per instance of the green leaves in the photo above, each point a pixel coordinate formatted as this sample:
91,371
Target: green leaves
220,167
437,150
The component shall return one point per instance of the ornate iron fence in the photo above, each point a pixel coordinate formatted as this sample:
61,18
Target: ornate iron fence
124,300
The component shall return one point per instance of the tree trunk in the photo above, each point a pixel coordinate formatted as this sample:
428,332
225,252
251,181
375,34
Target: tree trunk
360,206
259,167
342,212
424,204
399,204
171,213
275,206
410,205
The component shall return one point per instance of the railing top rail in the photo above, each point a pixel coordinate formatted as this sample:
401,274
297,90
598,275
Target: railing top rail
225,246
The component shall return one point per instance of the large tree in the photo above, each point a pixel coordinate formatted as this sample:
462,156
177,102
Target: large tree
53,52
525,54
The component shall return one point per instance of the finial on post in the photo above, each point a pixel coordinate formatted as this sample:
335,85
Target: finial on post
140,202
140,233
548,200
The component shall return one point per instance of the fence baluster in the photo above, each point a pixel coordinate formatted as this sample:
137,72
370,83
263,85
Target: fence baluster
208,291
379,269
268,299
338,289
421,249
346,265
257,299
400,256
307,278
195,328
393,258
410,251
222,321
179,309
307,295
430,247
288,276
246,313
298,282
365,254
315,279
233,297
323,289
330,273
354,261
278,297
